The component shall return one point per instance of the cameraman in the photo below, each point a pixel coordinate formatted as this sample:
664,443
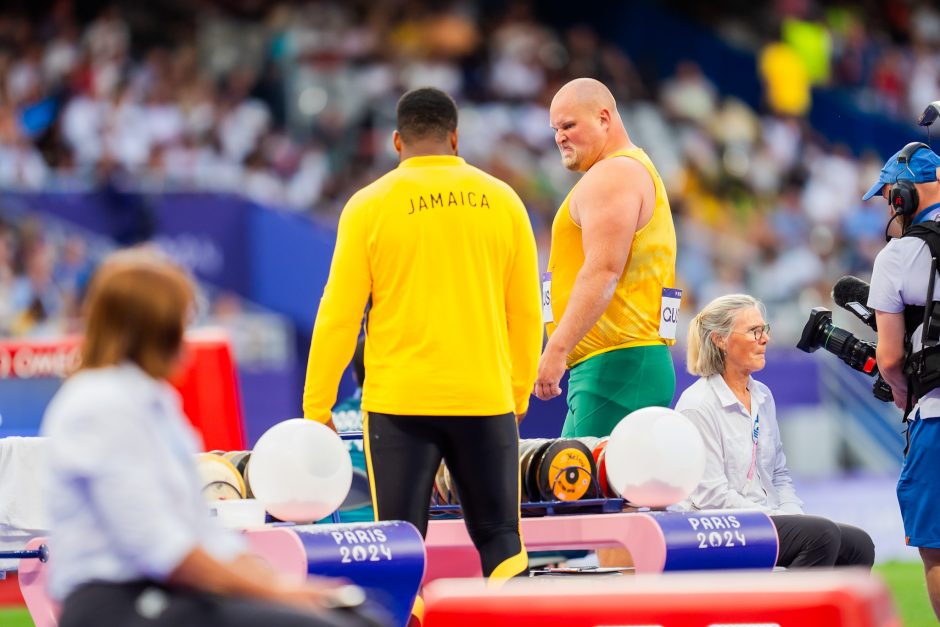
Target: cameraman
900,277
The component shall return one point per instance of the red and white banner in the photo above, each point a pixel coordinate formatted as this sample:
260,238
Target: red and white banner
206,380
55,360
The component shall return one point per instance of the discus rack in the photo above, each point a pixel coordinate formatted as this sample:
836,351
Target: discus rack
599,505
549,508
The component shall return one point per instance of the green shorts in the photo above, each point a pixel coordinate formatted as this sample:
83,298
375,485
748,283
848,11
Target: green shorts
607,387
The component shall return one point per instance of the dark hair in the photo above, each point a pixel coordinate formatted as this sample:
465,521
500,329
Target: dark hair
426,113
136,311
359,361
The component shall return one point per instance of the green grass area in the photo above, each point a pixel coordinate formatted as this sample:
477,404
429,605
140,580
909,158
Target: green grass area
15,618
909,590
904,579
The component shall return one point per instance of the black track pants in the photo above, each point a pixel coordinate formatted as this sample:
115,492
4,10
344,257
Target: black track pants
482,452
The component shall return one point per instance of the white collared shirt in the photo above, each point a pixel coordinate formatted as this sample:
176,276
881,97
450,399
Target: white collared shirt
727,428
122,490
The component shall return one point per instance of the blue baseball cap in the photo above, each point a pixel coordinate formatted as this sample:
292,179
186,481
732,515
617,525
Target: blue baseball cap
921,169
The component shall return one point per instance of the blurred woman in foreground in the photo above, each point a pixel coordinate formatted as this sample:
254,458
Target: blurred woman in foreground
132,541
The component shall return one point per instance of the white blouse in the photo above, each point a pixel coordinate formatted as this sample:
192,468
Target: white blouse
122,489
738,474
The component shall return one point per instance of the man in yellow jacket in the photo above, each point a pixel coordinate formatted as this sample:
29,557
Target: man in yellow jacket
446,256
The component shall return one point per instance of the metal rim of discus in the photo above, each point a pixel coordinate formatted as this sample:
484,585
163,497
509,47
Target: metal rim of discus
532,477
600,463
526,450
240,460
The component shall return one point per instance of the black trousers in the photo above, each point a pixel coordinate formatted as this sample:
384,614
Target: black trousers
816,542
151,604
482,454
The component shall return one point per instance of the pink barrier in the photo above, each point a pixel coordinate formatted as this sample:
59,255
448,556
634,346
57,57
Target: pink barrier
279,547
32,576
451,552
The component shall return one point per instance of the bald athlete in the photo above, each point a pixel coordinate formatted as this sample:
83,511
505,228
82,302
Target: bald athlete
608,298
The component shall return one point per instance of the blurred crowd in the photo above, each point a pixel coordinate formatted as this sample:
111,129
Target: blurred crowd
43,274
292,105
885,54
45,267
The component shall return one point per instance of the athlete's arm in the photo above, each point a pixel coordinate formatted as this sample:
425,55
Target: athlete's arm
608,202
340,315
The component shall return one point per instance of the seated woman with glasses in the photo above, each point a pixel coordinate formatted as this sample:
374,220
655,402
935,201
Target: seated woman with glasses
745,467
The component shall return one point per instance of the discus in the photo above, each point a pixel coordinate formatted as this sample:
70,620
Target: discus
599,462
240,460
227,454
220,480
589,441
439,488
526,450
449,489
532,476
565,471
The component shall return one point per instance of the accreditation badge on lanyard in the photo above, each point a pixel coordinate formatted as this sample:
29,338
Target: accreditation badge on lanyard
547,315
669,313
755,434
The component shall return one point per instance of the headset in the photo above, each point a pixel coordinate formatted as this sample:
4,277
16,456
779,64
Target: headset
902,196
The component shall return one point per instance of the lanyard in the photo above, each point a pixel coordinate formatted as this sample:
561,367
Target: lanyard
755,433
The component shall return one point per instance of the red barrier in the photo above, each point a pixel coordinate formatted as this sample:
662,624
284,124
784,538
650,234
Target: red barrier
206,380
209,387
10,594
791,599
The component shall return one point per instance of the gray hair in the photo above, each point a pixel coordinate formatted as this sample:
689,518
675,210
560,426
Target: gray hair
704,358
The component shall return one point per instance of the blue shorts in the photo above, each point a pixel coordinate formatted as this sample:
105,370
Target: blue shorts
919,485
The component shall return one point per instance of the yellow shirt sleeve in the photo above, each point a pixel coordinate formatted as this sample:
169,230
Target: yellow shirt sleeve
523,313
339,317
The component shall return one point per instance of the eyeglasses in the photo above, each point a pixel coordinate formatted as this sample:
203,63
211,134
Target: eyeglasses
757,332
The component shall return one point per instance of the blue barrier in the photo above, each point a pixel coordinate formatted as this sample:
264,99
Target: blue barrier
718,540
386,558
